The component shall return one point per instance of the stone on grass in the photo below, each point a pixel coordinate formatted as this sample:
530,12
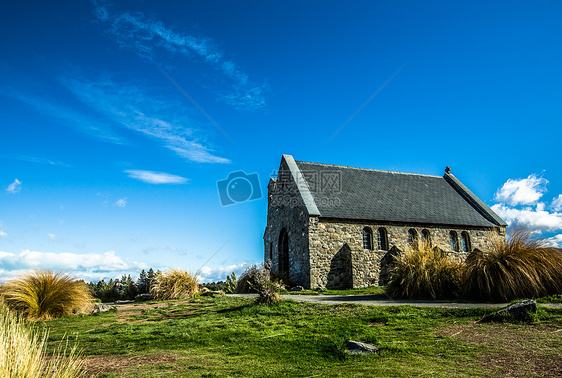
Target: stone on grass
357,347
101,307
297,288
518,311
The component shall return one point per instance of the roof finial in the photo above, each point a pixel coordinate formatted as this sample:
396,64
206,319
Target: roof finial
448,169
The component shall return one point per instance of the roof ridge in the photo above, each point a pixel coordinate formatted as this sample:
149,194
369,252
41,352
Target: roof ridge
371,169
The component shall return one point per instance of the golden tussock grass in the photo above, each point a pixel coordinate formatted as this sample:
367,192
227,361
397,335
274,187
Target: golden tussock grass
422,272
22,352
174,284
522,266
44,294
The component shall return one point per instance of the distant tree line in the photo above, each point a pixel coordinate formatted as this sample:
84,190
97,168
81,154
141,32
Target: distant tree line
123,288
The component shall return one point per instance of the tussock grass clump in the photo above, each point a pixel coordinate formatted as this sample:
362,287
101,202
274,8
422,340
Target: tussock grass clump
174,284
44,294
22,352
422,272
522,266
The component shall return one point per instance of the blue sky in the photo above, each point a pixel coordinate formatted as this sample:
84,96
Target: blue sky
117,119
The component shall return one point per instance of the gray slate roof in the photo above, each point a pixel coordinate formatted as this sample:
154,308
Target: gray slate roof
369,194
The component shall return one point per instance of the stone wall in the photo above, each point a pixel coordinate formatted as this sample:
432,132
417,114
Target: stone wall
333,242
286,210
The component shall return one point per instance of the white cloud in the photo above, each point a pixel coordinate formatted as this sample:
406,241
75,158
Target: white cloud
147,36
103,265
522,192
557,203
555,241
14,187
51,236
536,219
207,274
156,177
122,202
3,235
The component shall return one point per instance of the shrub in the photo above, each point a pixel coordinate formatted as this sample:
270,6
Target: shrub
257,279
253,274
22,352
44,294
520,267
174,284
422,272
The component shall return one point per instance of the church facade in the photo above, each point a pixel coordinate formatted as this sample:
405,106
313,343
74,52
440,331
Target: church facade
336,227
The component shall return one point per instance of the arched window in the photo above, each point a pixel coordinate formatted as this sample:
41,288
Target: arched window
454,240
465,242
367,238
412,237
283,252
382,239
426,237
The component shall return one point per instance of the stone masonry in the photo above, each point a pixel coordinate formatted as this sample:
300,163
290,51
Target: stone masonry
327,252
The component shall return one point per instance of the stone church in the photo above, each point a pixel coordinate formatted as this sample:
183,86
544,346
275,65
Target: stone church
332,226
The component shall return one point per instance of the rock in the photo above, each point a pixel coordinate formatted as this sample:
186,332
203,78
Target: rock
297,288
519,311
101,307
357,347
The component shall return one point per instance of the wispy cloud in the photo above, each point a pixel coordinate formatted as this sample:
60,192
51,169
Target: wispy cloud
147,37
51,236
67,115
525,191
133,108
557,203
14,187
90,265
121,202
38,160
555,241
156,177
3,235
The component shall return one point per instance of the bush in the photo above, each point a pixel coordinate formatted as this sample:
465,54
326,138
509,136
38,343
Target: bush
22,352
174,284
44,294
520,267
257,279
422,272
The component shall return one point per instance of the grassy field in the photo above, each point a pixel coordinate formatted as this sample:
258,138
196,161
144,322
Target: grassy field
233,337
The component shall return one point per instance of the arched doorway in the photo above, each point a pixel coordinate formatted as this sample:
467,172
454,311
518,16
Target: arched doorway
283,256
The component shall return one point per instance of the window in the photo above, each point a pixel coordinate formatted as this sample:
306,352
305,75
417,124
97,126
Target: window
412,237
367,238
283,252
426,237
382,239
454,240
465,242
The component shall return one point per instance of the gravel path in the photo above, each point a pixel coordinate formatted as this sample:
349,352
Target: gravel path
381,300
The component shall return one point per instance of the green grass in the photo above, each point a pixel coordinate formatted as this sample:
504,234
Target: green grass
229,336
